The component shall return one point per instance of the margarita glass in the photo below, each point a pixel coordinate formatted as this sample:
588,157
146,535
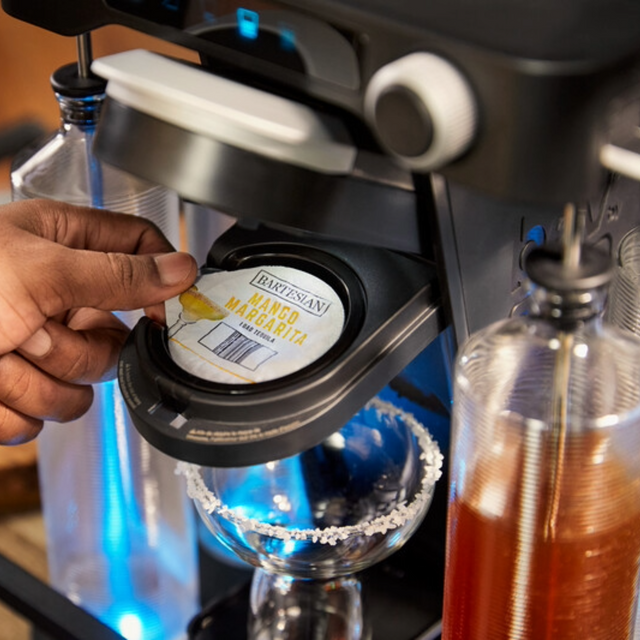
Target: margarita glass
311,522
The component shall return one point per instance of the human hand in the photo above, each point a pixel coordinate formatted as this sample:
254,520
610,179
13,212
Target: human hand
63,269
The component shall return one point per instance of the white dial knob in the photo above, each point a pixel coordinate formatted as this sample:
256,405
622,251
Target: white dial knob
422,109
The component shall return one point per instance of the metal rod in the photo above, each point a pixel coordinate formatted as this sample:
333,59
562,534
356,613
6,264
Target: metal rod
85,54
572,240
572,237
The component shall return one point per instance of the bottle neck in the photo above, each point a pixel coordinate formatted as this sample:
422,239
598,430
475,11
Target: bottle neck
568,293
568,309
83,111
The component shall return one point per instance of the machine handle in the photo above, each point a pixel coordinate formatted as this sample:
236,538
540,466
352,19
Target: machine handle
620,160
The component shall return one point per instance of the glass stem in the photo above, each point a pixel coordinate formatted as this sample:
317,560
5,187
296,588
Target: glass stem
288,608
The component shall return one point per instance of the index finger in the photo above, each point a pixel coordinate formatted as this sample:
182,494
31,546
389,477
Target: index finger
83,352
86,228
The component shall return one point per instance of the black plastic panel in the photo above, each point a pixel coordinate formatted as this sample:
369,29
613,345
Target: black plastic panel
589,30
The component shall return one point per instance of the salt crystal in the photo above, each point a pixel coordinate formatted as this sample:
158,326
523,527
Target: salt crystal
430,456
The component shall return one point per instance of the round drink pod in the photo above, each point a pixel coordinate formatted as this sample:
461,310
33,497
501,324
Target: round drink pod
253,325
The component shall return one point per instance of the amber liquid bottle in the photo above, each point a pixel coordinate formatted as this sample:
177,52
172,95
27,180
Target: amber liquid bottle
544,517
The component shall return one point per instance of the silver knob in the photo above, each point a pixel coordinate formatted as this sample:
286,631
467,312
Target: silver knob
422,110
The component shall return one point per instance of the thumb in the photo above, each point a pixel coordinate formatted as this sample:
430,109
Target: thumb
118,281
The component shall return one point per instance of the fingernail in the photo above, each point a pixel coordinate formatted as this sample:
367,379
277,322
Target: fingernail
38,345
174,268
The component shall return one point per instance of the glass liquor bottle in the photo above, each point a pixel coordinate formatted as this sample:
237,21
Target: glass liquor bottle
120,529
544,513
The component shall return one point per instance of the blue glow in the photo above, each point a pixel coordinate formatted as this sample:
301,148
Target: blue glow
115,541
260,490
95,170
130,626
429,373
172,5
117,518
123,529
135,621
289,548
537,235
248,23
215,546
287,38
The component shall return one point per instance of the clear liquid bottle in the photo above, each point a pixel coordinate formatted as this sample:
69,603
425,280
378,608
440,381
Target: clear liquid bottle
120,529
544,513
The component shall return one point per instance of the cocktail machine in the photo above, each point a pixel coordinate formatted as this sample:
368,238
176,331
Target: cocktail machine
405,158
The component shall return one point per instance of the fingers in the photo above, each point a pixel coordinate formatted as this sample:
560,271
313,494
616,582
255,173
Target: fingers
86,228
83,352
45,380
17,428
79,257
29,396
56,279
157,313
55,257
110,281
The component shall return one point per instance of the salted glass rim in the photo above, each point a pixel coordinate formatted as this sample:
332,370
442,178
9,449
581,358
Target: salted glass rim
431,458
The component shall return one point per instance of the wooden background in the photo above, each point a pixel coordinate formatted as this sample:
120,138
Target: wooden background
28,56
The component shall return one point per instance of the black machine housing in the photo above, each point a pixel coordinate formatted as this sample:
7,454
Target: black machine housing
550,79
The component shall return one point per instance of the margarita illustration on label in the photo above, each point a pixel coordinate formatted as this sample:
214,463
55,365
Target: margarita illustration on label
263,323
196,306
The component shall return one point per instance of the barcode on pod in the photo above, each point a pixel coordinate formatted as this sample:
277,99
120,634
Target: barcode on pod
233,346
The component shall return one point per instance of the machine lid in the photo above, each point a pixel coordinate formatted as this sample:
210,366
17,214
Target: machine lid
235,114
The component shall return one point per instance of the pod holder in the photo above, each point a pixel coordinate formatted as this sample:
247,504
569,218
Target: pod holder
391,313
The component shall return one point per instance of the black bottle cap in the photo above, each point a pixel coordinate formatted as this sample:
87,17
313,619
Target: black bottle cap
67,82
546,268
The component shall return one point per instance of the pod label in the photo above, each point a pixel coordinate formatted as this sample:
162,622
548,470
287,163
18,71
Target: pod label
253,325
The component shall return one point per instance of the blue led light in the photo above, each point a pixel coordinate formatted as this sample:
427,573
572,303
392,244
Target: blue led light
172,5
130,626
537,235
135,621
287,38
248,23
